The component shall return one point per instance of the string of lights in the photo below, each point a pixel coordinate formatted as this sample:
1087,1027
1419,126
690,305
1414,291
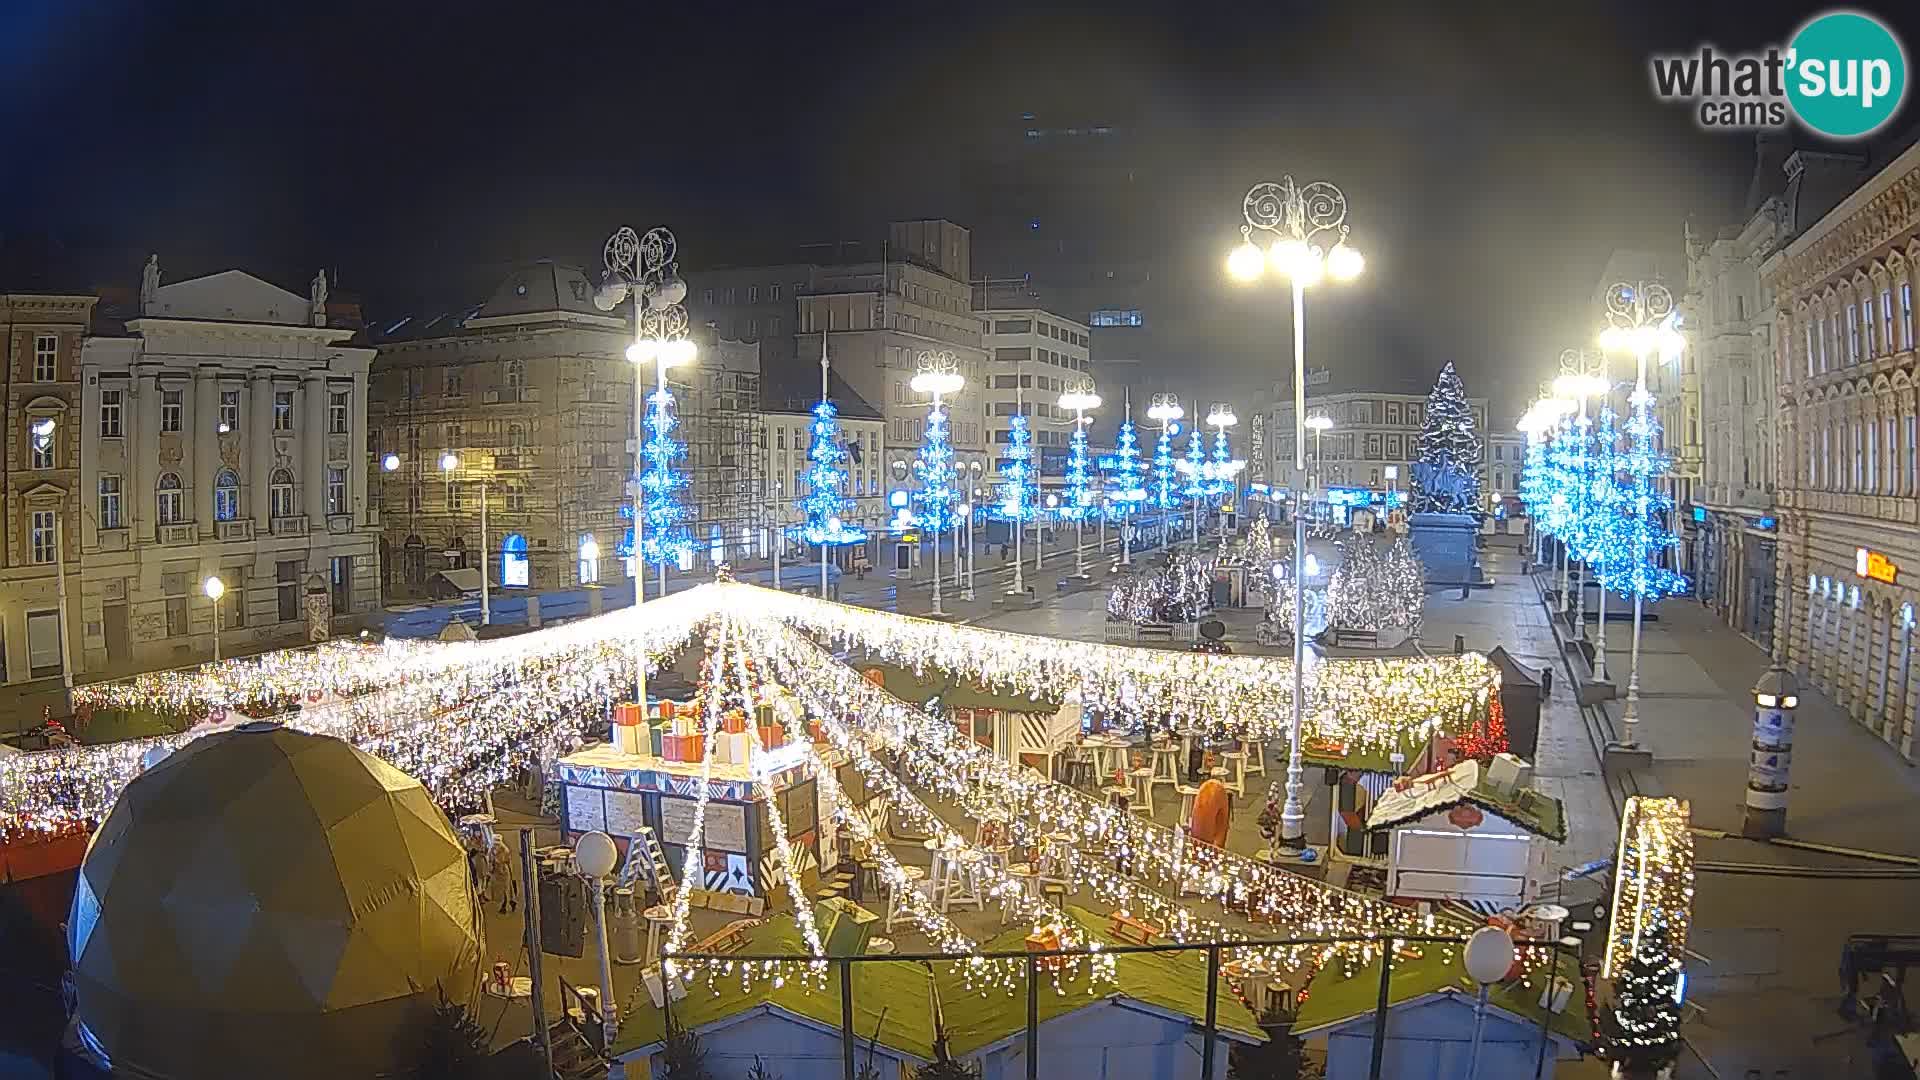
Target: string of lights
1652,879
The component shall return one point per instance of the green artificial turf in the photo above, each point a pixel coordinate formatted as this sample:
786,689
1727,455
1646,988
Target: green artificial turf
1332,997
1175,982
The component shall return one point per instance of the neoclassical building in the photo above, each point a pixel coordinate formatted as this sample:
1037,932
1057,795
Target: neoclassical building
1849,449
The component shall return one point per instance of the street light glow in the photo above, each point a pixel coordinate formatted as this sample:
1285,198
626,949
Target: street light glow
1344,263
937,383
1222,416
1319,423
1246,263
215,588
449,461
390,462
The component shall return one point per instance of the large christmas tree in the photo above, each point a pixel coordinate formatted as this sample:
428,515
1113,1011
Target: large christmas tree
665,539
1640,1032
1017,486
1448,444
1645,508
1124,490
825,508
936,499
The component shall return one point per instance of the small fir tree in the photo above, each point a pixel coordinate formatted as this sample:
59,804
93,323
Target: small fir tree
455,1045
1195,468
1016,488
1640,1031
1166,493
684,1056
665,540
1448,441
1078,504
1125,492
1486,738
825,508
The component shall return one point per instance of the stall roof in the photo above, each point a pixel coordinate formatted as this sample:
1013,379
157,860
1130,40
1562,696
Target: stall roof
1418,796
955,693
1334,997
891,998
466,578
1369,759
1511,672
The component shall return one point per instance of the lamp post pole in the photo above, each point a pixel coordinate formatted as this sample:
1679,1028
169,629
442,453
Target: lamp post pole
215,589
1297,218
643,269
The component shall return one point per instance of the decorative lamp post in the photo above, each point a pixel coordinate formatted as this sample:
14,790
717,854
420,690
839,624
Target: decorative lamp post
1226,471
938,375
1165,408
966,526
1489,957
645,270
1079,501
1299,220
1641,320
449,464
215,589
1775,697
595,857
1579,386
390,463
1319,425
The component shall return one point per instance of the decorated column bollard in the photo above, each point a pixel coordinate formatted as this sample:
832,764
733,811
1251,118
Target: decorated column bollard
1775,697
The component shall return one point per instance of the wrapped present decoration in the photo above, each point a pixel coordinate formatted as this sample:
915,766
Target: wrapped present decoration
1046,939
666,709
654,734
735,722
773,736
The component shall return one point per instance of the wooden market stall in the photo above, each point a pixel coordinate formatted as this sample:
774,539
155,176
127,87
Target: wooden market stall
1356,777
1475,833
1017,728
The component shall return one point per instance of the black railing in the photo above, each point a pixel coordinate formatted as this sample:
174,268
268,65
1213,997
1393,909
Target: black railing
1213,949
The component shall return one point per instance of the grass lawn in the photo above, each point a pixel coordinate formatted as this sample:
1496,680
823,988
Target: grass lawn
118,725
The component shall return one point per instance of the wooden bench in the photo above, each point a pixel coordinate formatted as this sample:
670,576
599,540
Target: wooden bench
1136,931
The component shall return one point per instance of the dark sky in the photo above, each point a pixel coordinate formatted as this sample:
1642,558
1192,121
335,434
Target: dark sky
1493,154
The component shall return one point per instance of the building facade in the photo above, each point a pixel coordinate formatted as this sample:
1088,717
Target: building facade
1848,479
787,406
1727,316
533,397
41,337
1035,355
222,431
1374,432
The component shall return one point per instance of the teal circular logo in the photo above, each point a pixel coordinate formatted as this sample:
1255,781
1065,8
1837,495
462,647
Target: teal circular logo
1846,74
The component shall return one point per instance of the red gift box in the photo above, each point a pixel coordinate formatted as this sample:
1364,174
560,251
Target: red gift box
773,736
627,714
735,723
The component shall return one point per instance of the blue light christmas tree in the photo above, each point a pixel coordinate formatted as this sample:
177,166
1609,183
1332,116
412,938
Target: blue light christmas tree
825,508
1221,481
1605,537
1125,492
1166,495
1646,534
1534,482
664,539
1194,466
934,502
1017,487
1079,501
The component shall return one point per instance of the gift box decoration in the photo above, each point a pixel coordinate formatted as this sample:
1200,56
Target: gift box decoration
1046,939
654,733
735,723
739,746
773,736
666,709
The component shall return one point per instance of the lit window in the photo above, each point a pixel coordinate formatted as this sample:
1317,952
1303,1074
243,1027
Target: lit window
280,494
226,496
229,410
336,490
283,410
110,414
109,502
337,404
40,443
171,502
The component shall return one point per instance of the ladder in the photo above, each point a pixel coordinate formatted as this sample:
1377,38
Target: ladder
654,865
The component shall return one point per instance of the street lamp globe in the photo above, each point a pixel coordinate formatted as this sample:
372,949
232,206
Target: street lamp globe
215,588
390,463
1222,416
1246,262
1344,263
449,461
1319,423
643,351
679,352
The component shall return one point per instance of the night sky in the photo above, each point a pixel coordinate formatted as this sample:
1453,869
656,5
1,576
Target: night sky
1493,157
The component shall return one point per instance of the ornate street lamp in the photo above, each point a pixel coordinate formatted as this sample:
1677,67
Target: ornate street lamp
938,374
1306,229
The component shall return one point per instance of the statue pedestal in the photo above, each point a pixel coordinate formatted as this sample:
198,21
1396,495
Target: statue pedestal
1446,544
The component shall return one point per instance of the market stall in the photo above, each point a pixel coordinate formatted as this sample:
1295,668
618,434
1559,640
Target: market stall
1475,833
1027,730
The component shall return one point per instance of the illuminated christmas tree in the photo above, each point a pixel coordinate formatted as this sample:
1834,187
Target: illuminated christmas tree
664,540
1606,536
1640,1031
1224,468
1195,468
825,508
1447,440
1646,534
934,502
1486,738
1125,492
1017,484
1165,492
1079,501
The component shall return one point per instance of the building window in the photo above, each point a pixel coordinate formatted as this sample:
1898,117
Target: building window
706,296
1809,349
286,577
1906,314
40,536
516,437
516,498
109,502
1116,317
1866,328
340,582
1853,334
1888,343
171,501
110,414
451,382
336,490
516,374
283,410
773,291
46,355
233,615
1913,455
337,412
226,496
41,449
229,410
177,616
590,566
171,410
753,294
280,494
456,499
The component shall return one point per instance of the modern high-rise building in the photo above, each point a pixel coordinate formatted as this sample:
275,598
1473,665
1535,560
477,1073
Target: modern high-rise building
1035,354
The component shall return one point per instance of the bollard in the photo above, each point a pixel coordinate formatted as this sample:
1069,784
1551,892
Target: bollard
1775,697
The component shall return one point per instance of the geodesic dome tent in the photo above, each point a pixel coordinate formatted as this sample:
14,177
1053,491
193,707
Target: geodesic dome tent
266,902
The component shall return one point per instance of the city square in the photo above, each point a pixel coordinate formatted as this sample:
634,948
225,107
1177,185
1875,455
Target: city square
1218,571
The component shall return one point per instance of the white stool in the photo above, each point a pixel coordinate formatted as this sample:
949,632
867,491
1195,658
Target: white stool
896,912
1236,761
939,876
1166,764
1142,801
1187,795
963,880
1056,861
659,918
1256,756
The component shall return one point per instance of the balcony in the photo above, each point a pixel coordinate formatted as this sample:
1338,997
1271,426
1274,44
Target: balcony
339,523
178,534
294,525
511,461
529,393
236,529
113,539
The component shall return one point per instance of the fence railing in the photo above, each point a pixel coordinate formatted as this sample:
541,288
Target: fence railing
1209,1056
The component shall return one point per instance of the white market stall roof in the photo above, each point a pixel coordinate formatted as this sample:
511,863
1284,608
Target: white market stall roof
1416,797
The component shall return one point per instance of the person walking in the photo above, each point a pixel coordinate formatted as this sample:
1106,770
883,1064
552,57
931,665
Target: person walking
505,882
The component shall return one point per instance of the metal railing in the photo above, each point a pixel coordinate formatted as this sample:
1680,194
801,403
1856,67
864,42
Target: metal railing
1211,1031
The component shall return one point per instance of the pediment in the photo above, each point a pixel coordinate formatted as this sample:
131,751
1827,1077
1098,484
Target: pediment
231,296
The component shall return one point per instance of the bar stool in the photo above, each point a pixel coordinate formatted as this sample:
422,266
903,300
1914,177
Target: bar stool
962,886
1142,801
1236,764
1029,880
1056,861
896,912
1117,797
659,917
1081,769
1166,763
998,854
1256,756
939,869
1187,794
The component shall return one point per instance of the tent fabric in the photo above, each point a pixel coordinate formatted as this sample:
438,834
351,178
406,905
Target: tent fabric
264,902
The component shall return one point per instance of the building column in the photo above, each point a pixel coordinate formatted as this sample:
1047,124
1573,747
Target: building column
204,435
144,410
259,449
313,448
357,464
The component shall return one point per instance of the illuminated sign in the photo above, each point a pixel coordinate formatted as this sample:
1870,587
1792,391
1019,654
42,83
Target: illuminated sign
1699,513
1766,523
1875,566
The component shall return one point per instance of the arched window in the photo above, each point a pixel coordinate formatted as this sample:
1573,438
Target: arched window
516,437
516,374
226,496
589,559
172,504
513,560
280,493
